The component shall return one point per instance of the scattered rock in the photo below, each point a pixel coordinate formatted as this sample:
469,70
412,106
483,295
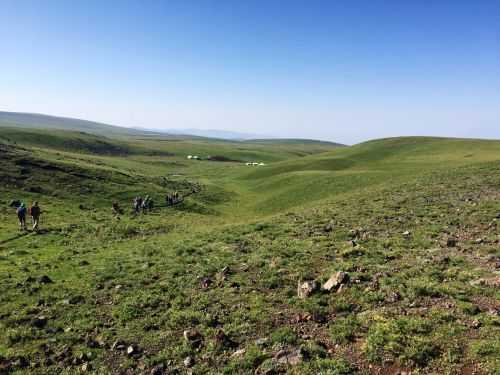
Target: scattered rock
188,362
132,350
306,288
224,271
475,324
479,241
20,362
406,234
224,340
45,280
328,227
193,337
335,281
262,341
290,357
302,317
239,353
393,297
492,282
206,282
75,300
354,233
86,367
158,370
118,345
39,322
451,242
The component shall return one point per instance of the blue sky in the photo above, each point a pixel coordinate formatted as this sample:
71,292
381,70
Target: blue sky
346,71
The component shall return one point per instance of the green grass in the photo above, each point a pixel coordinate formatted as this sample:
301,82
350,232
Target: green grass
412,302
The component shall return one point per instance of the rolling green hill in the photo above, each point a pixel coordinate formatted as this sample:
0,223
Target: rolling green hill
412,222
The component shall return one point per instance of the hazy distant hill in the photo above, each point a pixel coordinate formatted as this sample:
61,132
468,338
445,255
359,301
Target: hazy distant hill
215,133
39,121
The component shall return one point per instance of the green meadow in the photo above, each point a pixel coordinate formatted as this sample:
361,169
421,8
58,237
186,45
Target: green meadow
209,285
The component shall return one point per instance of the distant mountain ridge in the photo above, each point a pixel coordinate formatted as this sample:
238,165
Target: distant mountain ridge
42,121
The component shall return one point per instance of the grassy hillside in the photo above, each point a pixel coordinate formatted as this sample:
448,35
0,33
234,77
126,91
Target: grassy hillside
210,285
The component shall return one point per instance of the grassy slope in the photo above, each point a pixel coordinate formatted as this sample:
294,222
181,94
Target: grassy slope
412,302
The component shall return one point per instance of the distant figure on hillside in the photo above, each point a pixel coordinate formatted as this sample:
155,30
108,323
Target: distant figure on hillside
35,212
137,204
117,211
145,204
170,199
21,215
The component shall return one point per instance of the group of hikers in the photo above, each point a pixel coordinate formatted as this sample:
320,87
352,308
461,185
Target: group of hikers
146,204
173,198
139,205
142,204
22,211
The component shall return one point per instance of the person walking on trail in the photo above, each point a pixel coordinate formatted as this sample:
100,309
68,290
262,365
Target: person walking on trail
35,212
21,215
145,204
117,211
137,204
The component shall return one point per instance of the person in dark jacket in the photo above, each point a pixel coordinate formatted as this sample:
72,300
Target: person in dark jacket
21,215
35,215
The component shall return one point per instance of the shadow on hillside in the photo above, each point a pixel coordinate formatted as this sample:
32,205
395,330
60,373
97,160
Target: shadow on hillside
25,233
14,238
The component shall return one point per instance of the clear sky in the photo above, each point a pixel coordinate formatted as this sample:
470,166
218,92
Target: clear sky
346,71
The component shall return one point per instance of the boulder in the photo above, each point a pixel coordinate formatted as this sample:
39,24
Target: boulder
306,288
335,281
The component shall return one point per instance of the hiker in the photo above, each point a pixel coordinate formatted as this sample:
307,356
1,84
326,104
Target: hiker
137,204
21,215
115,207
176,196
168,198
145,204
35,212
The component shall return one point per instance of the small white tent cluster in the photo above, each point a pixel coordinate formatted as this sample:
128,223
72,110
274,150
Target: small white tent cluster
255,164
193,157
